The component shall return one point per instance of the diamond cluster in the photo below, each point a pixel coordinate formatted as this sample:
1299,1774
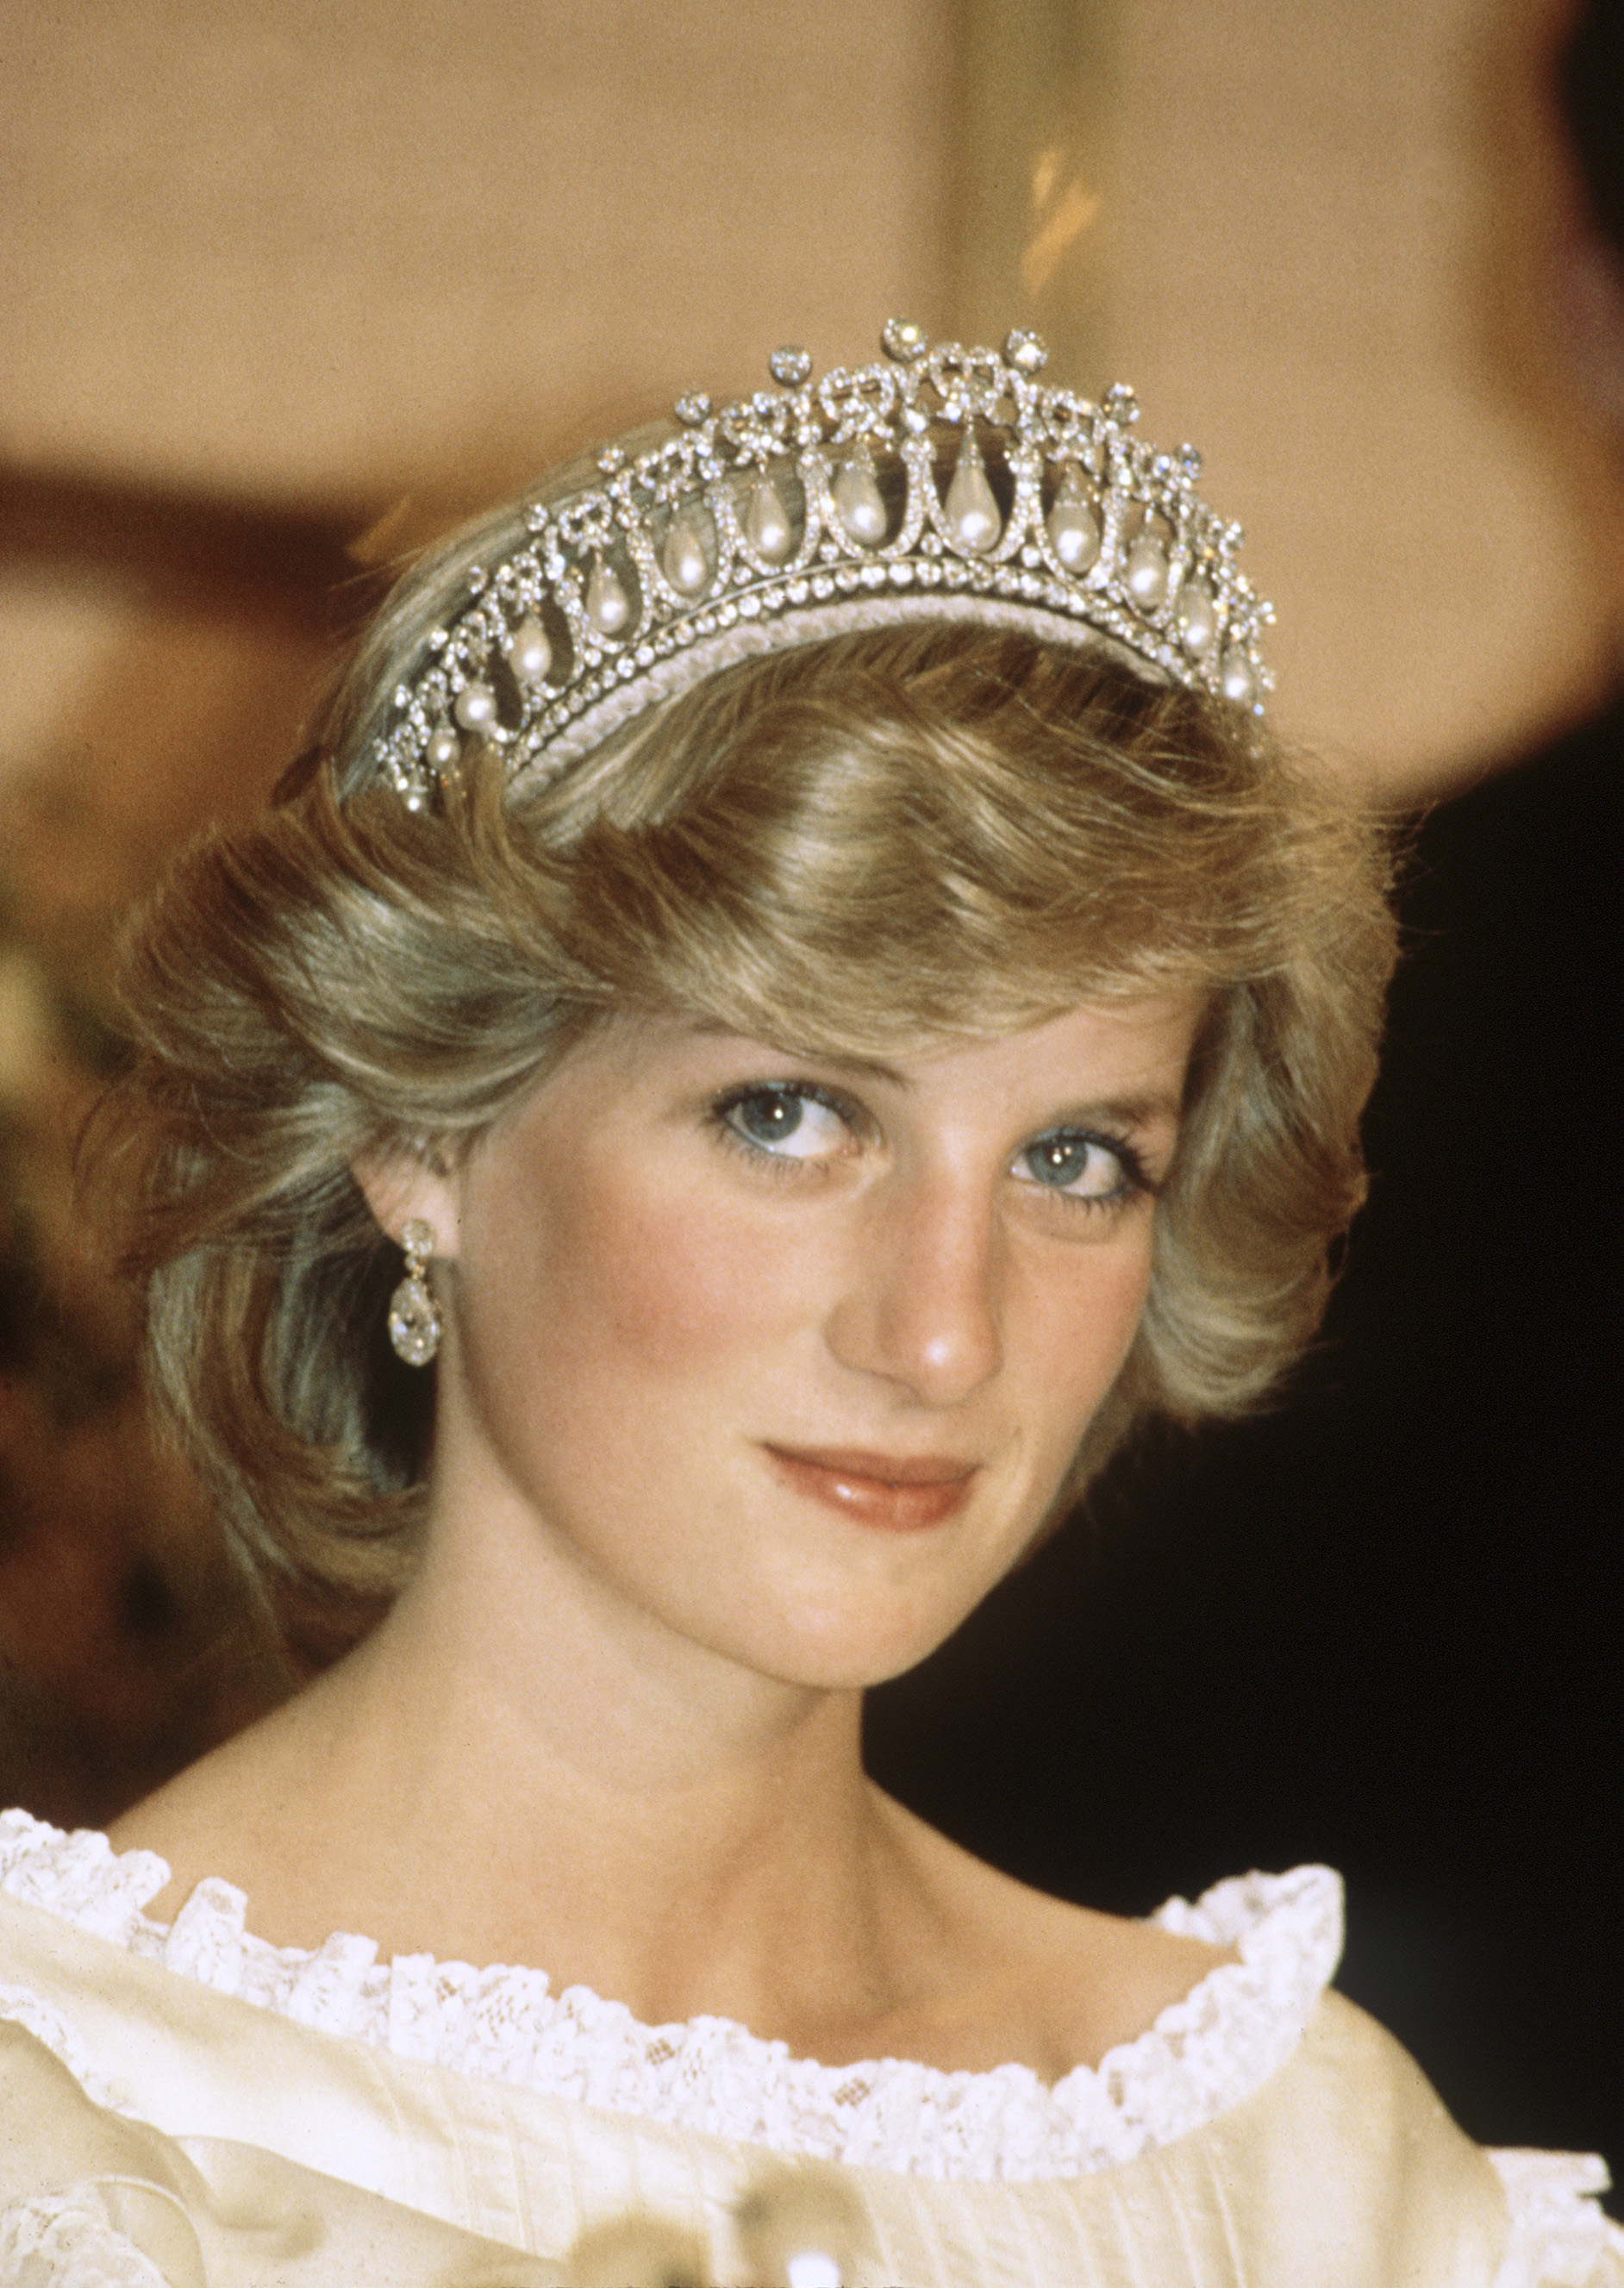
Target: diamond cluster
938,481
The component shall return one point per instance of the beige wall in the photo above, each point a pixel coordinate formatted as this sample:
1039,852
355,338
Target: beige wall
1342,223
318,256
316,249
304,259
1326,242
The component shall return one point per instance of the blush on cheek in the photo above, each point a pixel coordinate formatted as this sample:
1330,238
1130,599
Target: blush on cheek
666,1283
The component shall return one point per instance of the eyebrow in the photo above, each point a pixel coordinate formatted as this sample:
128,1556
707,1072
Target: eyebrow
1149,1108
837,1060
1153,1109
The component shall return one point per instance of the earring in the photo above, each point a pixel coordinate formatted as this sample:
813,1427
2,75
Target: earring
414,1323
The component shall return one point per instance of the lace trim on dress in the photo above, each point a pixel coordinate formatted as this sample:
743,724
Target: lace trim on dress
1556,2236
63,2240
1203,2055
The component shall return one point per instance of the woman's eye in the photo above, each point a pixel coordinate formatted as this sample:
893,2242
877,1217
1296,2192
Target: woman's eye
1084,1166
790,1123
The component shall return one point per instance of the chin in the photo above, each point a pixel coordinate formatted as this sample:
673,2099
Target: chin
852,1651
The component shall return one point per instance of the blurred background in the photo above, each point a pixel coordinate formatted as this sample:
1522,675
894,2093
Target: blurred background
287,288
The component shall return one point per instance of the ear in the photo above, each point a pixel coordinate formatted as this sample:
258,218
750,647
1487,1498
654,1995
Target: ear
401,1184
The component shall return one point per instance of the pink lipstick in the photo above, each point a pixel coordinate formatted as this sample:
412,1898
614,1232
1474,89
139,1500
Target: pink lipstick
879,1489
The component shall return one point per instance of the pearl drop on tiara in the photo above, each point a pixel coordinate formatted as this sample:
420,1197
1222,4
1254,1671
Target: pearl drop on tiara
943,483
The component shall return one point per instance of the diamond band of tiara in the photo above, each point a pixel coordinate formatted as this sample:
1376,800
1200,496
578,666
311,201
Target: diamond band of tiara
939,483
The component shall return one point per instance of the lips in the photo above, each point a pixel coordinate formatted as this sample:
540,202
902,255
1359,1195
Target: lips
902,1494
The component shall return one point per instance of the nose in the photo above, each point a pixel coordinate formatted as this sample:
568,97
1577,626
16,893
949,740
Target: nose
920,1305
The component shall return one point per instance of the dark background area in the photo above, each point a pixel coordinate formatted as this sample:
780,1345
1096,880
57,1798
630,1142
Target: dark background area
1380,1627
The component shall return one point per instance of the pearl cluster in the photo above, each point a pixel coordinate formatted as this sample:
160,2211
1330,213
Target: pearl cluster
794,512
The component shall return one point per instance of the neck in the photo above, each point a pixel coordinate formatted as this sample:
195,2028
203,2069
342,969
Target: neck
513,1768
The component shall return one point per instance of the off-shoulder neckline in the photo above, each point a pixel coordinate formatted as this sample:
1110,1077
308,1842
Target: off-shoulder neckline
1203,2053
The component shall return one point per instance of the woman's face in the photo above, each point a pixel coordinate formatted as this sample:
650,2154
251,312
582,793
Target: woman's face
786,1354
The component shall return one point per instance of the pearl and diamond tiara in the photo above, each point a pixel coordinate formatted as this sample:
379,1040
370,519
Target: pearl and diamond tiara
939,483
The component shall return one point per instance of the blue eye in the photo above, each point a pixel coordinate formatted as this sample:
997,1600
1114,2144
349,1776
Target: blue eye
767,1119
790,1122
1086,1167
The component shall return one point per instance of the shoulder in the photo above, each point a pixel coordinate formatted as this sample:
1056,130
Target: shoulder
1061,1987
1220,1988
1354,2123
1113,1979
247,1815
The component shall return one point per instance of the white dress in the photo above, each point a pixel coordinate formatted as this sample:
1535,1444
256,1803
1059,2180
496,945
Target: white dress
194,2106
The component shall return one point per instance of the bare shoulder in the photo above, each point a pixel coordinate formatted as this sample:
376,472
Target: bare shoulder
225,1815
1055,1985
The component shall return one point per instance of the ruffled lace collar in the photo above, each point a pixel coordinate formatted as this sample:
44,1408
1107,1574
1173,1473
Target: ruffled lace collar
1202,2056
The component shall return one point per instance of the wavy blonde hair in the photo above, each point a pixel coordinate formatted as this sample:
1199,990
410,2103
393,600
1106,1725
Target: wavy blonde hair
921,833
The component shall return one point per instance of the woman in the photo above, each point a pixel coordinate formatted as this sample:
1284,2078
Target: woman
797,945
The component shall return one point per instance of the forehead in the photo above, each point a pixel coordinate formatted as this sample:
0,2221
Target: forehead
1115,1046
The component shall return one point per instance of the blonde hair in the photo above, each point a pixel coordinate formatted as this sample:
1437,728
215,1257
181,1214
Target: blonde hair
920,832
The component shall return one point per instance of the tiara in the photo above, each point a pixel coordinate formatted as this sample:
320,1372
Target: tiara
941,483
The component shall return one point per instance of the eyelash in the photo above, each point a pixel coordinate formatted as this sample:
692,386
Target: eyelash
1134,1183
786,1167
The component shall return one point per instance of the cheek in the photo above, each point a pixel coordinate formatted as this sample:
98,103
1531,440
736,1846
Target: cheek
679,1289
1120,1306
617,1280
1084,1331
1126,1297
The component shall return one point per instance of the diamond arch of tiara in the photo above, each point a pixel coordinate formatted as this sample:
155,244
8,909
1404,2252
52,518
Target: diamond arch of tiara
940,483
